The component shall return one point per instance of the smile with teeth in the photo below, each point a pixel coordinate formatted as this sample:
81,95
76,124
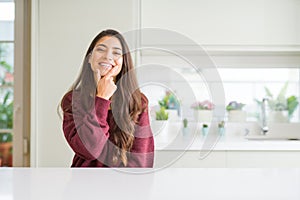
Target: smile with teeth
105,65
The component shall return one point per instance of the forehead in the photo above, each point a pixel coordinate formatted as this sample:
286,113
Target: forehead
110,41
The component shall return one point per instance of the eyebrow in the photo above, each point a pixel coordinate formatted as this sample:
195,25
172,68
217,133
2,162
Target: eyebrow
117,48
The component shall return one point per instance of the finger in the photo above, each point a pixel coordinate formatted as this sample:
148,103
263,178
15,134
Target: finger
111,72
98,75
106,70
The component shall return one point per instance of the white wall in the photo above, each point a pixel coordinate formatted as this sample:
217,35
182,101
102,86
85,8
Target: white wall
61,33
230,22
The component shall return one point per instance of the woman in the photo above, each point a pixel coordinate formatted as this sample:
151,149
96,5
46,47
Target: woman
106,119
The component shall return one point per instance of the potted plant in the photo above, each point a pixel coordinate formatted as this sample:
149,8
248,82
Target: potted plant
6,149
171,105
6,109
204,129
162,114
185,129
235,112
281,107
6,122
203,111
159,126
221,128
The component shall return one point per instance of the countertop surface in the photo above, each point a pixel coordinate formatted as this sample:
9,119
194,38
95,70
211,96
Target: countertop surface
168,183
233,139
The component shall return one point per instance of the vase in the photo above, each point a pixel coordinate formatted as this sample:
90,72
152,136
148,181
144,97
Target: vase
237,116
5,151
203,115
221,131
278,116
185,131
204,131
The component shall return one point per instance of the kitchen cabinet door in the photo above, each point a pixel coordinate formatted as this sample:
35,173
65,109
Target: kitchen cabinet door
215,159
258,159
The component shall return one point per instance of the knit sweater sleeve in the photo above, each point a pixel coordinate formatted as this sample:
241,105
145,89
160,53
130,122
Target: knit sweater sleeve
86,132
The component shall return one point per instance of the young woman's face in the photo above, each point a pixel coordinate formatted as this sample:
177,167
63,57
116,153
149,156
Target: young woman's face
107,55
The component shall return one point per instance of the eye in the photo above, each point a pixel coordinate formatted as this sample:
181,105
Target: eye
117,53
100,49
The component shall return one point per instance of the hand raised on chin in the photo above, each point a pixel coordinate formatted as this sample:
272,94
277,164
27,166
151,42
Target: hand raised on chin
106,86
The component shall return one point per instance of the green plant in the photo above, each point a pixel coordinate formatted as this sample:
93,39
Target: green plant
6,104
185,123
205,126
5,137
221,124
162,114
281,103
6,112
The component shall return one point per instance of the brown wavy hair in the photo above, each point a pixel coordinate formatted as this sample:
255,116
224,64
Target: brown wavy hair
126,101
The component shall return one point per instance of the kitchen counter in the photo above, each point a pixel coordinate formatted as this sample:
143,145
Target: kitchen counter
233,140
168,183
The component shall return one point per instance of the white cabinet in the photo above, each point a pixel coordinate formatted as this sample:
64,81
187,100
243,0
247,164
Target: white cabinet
230,22
260,159
189,159
230,159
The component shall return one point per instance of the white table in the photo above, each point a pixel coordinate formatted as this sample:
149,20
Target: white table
169,183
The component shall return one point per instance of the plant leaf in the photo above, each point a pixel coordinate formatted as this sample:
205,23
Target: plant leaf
6,97
292,103
281,95
268,92
6,66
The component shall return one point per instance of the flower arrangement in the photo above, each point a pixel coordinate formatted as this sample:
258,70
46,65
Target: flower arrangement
203,105
169,101
234,105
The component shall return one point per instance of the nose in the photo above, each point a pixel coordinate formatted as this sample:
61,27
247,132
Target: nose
108,55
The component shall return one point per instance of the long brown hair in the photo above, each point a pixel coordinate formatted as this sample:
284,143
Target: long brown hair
126,102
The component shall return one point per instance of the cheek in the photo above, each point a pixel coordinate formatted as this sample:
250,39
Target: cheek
94,61
119,61
91,63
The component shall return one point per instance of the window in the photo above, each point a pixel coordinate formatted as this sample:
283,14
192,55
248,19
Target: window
6,80
244,85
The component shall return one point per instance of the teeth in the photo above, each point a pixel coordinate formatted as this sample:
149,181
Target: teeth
105,65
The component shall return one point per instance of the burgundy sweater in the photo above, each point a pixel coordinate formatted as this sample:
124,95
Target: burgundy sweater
90,137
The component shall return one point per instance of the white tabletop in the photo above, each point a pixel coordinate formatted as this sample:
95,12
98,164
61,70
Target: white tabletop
169,183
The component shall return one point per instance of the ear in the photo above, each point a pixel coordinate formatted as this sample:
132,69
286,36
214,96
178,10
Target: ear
89,58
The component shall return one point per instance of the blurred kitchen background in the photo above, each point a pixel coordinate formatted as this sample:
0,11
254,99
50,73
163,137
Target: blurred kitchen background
253,45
